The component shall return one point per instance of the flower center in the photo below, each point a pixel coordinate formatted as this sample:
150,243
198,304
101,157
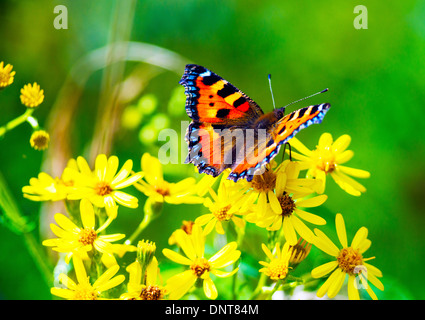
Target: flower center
87,236
151,293
348,259
162,191
222,214
40,140
103,188
4,77
287,204
85,292
277,269
264,182
187,226
199,266
325,160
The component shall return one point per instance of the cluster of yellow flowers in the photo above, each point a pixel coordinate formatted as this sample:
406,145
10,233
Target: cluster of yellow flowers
275,201
31,97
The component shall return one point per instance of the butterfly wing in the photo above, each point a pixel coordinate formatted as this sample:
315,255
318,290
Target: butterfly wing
265,149
214,105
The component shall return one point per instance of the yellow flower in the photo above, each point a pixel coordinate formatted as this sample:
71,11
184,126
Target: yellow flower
75,240
224,207
6,75
284,208
40,140
159,190
47,188
299,252
140,289
102,186
199,266
185,227
278,267
327,159
116,249
83,290
31,95
349,261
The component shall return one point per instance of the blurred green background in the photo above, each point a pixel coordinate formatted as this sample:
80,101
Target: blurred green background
375,76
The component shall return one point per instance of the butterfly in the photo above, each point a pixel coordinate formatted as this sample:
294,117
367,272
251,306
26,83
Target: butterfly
230,130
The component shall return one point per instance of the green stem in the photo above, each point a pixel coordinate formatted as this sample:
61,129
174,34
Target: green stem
241,234
260,286
152,211
18,223
146,220
16,122
39,257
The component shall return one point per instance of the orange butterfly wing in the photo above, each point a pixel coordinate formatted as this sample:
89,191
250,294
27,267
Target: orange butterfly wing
223,116
266,148
214,105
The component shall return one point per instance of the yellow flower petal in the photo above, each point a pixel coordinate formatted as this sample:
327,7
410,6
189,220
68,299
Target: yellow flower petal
302,229
336,284
87,213
288,231
341,143
106,276
65,223
340,230
353,293
123,173
210,289
224,274
101,166
80,270
125,199
299,146
325,140
110,283
178,285
176,257
225,256
267,251
274,202
371,293
325,244
152,169
63,293
312,218
127,182
67,282
325,286
344,184
324,269
373,270
112,168
375,281
312,202
358,173
344,157
361,235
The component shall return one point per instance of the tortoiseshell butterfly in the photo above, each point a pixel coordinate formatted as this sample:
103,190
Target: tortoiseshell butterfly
229,130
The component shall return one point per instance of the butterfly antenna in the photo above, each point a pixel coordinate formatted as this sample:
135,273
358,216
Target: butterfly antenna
307,97
271,91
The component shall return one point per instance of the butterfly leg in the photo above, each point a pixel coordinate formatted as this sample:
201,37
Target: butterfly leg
290,151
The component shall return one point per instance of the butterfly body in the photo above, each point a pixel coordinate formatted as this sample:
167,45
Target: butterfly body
229,130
